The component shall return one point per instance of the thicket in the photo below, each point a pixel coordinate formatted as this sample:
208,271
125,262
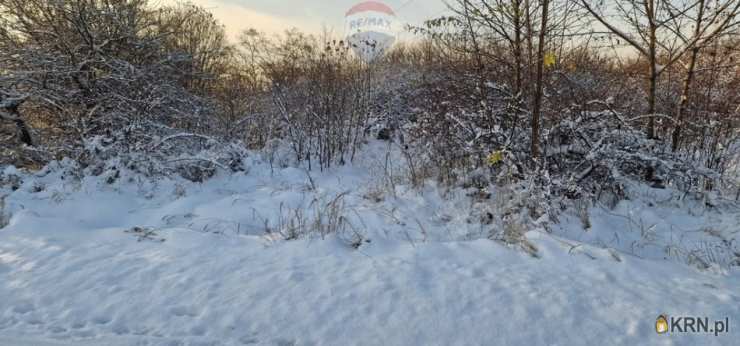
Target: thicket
542,98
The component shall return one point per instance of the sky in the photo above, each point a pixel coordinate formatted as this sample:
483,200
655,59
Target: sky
275,16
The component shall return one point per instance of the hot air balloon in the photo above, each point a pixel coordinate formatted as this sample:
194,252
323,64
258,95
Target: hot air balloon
370,29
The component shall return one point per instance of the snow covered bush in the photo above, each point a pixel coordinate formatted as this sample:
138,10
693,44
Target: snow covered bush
10,180
192,156
520,205
592,154
96,84
458,130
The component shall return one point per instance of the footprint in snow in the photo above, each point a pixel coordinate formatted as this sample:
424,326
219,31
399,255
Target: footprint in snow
103,319
249,339
198,330
285,342
24,308
34,321
181,311
58,330
121,329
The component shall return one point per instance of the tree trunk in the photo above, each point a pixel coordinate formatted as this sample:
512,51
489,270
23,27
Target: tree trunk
684,100
653,81
687,82
537,103
517,47
652,59
480,66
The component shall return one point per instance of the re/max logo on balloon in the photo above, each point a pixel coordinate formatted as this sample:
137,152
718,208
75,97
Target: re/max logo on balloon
373,22
369,28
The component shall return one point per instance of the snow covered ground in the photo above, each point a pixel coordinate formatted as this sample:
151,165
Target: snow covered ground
168,262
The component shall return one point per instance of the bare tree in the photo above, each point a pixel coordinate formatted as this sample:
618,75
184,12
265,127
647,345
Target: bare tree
697,19
649,31
192,30
521,30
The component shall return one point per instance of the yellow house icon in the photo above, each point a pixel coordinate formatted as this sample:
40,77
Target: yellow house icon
661,324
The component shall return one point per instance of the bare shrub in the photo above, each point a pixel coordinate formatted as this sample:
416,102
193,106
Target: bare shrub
320,94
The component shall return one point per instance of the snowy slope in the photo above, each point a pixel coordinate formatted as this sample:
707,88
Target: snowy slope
73,273
104,288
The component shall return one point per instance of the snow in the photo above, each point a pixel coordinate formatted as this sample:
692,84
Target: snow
658,225
72,272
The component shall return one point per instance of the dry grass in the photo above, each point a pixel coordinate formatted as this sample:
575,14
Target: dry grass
323,217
